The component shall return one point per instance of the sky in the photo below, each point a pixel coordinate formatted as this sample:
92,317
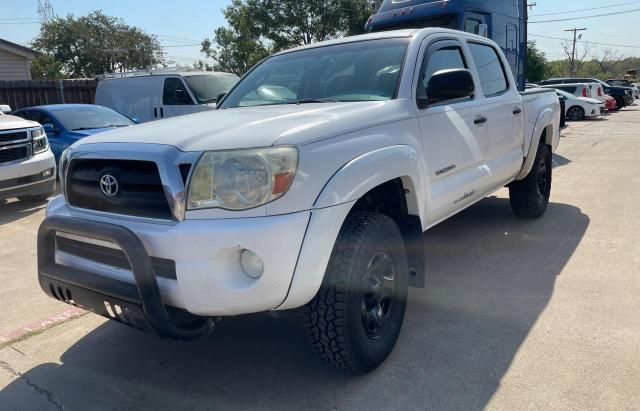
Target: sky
182,25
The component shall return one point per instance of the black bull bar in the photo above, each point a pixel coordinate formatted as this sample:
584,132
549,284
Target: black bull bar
137,305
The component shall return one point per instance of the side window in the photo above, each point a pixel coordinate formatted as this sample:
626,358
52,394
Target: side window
449,57
493,79
175,93
472,26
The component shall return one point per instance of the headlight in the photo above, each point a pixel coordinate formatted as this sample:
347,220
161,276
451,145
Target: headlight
241,179
62,166
39,140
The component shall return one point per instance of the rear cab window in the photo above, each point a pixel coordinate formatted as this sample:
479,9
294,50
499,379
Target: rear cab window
491,72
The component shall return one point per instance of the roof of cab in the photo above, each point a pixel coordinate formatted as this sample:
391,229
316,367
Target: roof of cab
382,35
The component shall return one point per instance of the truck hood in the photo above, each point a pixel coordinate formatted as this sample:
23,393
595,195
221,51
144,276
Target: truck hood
8,122
259,126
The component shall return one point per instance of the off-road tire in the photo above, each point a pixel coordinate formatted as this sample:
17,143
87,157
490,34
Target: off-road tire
530,197
335,318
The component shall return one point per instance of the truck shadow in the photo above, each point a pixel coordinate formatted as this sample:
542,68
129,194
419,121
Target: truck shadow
490,277
11,211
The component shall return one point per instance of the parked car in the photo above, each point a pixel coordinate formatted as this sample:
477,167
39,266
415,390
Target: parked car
27,166
67,123
610,103
154,95
625,83
623,95
576,89
579,108
310,185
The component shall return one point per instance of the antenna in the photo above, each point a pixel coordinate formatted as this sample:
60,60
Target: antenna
45,11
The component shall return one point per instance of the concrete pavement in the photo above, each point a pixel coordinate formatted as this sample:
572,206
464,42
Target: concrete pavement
516,315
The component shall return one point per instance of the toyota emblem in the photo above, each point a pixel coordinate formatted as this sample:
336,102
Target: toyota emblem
109,185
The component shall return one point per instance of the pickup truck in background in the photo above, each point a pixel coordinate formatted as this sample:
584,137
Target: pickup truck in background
27,166
625,83
310,186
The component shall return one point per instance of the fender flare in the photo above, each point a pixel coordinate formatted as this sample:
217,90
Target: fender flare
545,118
335,201
364,173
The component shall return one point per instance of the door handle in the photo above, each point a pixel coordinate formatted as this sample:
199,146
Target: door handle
155,112
517,111
480,120
162,112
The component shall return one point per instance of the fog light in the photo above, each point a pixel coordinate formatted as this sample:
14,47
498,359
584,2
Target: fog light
47,173
251,264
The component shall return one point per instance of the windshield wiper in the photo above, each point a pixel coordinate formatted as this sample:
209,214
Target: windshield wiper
312,100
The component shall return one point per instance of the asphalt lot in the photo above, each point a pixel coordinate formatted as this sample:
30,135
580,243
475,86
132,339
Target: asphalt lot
516,315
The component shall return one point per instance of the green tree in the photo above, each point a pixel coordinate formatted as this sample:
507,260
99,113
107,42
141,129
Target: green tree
46,67
96,44
258,28
536,63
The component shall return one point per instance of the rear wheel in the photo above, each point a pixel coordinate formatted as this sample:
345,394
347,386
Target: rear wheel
354,320
575,113
530,197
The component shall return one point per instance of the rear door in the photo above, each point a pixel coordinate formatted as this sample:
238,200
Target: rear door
454,135
505,115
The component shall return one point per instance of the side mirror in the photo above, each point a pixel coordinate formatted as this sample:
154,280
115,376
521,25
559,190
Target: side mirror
445,85
5,109
50,129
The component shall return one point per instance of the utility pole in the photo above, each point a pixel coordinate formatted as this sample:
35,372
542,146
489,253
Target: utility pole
573,50
45,11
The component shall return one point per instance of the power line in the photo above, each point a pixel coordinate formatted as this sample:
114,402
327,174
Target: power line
573,49
20,22
586,17
182,45
19,18
582,41
589,9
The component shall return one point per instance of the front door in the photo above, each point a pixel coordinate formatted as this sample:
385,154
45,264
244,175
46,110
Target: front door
176,99
454,135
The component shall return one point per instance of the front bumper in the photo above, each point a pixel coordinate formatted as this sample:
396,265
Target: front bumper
208,279
25,177
40,187
139,306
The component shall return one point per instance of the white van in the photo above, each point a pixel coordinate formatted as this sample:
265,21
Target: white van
147,96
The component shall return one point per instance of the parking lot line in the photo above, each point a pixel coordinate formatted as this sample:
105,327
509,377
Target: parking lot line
41,325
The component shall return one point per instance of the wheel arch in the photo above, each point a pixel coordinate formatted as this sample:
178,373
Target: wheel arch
388,180
544,132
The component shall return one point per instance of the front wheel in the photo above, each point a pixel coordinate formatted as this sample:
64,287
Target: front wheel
355,319
529,197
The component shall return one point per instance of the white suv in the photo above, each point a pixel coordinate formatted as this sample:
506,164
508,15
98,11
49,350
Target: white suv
27,165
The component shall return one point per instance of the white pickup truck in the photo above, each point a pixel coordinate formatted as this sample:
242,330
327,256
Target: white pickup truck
310,186
27,166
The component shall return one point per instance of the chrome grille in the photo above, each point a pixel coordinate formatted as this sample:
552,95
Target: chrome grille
15,145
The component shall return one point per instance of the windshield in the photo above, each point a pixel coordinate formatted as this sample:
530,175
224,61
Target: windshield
619,83
207,87
359,71
86,118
